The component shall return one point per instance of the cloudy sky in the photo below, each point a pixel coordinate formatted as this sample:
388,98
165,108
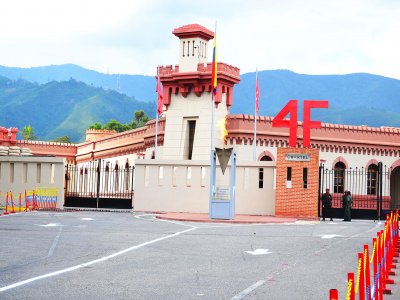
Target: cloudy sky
134,36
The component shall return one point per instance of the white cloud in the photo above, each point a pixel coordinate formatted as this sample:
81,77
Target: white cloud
126,36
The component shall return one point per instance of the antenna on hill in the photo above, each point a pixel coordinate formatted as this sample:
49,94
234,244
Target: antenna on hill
118,82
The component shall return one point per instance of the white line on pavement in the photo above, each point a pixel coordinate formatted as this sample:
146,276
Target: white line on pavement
17,284
247,291
55,242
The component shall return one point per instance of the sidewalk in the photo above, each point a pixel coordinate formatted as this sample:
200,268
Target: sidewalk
239,219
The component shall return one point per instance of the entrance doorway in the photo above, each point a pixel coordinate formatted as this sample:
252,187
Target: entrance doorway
395,188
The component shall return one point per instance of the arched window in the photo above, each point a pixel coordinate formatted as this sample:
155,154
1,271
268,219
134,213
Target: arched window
338,184
372,177
116,180
107,177
266,158
127,176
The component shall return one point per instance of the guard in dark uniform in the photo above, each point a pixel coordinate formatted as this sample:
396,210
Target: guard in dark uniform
326,205
347,202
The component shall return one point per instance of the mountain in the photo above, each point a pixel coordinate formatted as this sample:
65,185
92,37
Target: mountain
63,108
354,99
139,86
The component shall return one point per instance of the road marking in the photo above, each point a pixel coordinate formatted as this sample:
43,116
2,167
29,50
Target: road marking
162,220
247,291
87,219
50,225
55,242
259,252
330,236
11,214
105,258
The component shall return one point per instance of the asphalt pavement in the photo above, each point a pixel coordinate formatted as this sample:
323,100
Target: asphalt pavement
104,255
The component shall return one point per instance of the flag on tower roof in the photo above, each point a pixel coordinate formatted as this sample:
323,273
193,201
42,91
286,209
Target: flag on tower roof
214,65
257,95
159,90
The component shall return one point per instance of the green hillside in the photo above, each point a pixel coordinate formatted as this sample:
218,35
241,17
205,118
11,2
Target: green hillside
63,108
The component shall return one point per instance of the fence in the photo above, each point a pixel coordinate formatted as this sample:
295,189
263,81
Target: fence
375,191
99,186
373,274
39,199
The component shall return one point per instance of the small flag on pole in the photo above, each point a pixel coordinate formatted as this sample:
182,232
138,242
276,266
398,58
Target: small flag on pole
214,65
159,90
257,95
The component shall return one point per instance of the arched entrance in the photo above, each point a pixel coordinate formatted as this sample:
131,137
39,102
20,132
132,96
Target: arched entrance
395,188
266,158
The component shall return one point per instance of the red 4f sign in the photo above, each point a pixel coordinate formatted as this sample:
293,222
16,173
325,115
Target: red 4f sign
291,107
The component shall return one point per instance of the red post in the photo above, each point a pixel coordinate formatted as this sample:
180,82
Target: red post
376,279
350,287
333,294
367,273
379,284
12,203
361,285
6,212
26,202
20,202
35,205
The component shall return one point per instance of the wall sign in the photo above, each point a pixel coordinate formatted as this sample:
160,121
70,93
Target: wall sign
291,108
297,157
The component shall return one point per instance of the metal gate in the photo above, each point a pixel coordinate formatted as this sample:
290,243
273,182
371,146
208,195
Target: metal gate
375,191
97,186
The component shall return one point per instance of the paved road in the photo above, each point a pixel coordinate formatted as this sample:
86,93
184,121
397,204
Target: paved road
89,255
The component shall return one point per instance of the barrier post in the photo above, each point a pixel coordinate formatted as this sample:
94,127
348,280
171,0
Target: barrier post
375,259
367,273
350,286
20,202
333,294
6,212
26,202
360,279
12,203
35,205
379,259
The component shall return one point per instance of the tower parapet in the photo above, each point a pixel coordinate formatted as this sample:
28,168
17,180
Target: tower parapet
187,96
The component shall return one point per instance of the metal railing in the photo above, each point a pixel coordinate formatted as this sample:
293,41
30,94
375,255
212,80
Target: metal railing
376,188
95,181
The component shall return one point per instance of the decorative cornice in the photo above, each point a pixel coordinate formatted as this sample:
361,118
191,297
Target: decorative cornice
193,30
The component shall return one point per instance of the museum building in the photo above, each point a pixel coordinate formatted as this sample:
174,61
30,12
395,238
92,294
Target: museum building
184,137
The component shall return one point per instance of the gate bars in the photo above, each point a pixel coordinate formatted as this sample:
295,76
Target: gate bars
372,190
97,181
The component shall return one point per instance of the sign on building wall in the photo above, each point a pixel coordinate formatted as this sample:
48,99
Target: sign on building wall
297,157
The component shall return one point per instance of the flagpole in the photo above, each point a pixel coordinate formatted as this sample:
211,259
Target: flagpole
156,137
212,96
255,121
212,151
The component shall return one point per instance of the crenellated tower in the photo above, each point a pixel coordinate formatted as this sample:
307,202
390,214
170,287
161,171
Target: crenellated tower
188,98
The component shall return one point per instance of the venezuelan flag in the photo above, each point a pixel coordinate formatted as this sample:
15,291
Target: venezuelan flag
214,65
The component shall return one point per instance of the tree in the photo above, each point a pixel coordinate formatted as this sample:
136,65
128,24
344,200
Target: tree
28,133
62,139
96,125
117,126
140,119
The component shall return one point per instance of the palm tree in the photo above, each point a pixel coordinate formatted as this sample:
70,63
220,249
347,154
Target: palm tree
28,133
